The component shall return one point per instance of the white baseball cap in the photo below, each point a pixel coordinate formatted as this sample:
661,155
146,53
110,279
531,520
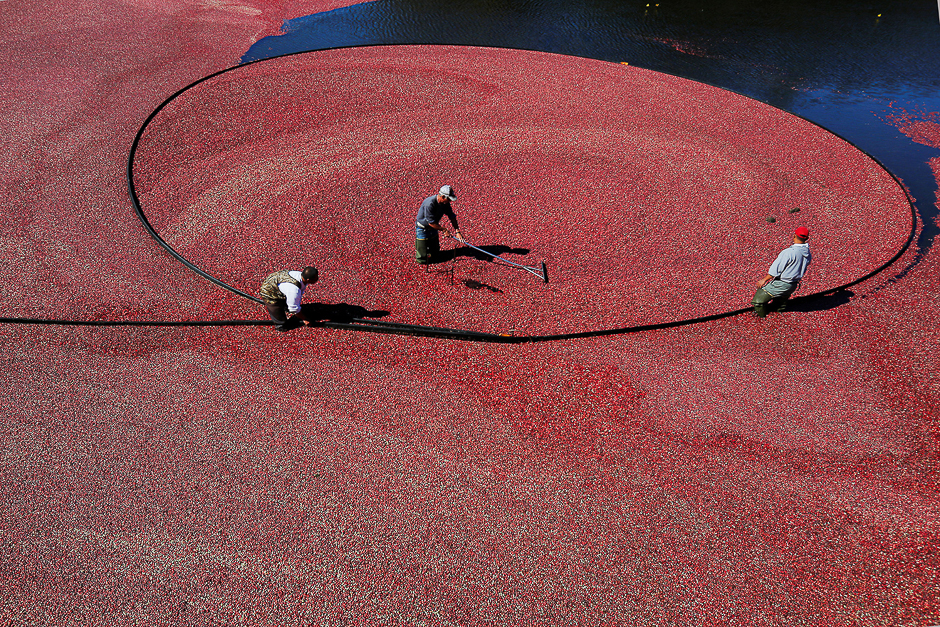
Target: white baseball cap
448,192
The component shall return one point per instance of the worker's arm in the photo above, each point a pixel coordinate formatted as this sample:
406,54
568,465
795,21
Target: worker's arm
437,226
767,279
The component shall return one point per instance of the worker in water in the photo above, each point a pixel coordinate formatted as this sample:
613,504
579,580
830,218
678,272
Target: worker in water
784,275
282,292
428,224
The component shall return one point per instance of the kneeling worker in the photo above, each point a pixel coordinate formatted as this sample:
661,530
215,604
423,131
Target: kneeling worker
428,223
282,292
784,275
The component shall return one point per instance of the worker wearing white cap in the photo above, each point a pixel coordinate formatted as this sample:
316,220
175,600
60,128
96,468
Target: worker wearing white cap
428,223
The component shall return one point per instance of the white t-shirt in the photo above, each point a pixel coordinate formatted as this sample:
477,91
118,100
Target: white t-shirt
293,293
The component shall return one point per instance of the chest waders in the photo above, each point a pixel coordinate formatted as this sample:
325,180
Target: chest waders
777,291
428,247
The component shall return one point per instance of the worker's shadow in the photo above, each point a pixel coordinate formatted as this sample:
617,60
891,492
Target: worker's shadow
340,312
496,249
821,303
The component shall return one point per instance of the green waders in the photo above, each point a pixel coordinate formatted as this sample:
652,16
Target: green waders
426,250
760,301
762,298
421,251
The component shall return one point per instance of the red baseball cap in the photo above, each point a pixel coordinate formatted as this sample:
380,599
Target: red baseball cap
802,231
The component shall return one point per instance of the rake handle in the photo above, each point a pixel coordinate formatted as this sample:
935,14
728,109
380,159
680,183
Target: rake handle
534,270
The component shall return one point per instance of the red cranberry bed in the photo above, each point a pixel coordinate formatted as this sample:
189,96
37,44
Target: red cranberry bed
649,198
734,472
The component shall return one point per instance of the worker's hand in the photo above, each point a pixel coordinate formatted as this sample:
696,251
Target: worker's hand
764,281
459,237
299,317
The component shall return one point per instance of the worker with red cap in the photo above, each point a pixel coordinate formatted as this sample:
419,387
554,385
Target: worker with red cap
784,275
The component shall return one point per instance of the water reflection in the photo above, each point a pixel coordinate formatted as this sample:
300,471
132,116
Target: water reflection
771,50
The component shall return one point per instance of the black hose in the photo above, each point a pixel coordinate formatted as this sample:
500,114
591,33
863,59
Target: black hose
137,323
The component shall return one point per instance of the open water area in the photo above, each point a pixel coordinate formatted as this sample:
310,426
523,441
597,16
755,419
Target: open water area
860,69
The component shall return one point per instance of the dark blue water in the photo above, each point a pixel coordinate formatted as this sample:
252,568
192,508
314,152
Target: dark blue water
843,64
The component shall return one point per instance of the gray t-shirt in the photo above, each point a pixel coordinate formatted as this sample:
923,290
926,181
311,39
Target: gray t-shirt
791,263
433,211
